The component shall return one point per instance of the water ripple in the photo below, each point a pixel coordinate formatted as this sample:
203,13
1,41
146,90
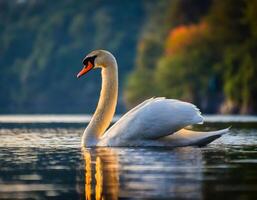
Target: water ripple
45,163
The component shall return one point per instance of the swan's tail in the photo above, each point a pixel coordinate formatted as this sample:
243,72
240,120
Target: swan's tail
186,137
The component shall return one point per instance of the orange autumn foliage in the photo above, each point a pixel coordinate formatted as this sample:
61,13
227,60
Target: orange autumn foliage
183,36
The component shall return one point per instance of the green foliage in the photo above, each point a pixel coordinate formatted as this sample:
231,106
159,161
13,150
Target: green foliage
162,17
201,51
184,71
44,42
143,84
234,31
211,65
179,78
140,84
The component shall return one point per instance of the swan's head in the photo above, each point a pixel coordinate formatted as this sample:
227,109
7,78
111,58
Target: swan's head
97,59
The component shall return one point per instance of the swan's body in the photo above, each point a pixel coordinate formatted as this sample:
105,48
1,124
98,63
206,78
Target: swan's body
155,122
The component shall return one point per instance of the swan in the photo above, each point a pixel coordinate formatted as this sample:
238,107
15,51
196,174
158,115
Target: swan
154,122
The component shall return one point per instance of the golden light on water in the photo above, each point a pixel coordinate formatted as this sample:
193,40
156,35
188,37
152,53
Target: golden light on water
88,178
101,181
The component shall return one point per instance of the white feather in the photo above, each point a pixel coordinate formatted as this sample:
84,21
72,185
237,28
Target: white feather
152,119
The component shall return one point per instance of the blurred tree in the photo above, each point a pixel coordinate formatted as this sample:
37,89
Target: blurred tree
142,84
234,32
198,50
161,17
185,71
208,56
44,42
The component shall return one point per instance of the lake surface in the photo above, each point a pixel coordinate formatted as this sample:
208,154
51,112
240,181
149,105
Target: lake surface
43,160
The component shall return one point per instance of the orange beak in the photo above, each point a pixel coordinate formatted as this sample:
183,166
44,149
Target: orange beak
86,69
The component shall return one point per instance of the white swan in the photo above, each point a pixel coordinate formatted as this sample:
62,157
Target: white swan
155,122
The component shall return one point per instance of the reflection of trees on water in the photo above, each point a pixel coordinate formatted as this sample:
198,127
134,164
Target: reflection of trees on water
112,173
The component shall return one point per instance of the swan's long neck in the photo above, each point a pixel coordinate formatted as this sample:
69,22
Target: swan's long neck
106,106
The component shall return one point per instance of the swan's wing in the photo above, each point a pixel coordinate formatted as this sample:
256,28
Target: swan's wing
186,137
154,118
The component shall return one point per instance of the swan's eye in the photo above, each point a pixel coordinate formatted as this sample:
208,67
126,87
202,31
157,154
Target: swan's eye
90,59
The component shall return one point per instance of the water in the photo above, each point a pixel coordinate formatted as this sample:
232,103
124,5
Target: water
46,162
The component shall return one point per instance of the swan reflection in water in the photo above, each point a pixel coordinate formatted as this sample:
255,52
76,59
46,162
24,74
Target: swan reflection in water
113,173
101,174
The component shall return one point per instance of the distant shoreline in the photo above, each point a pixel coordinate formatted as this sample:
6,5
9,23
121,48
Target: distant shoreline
77,118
